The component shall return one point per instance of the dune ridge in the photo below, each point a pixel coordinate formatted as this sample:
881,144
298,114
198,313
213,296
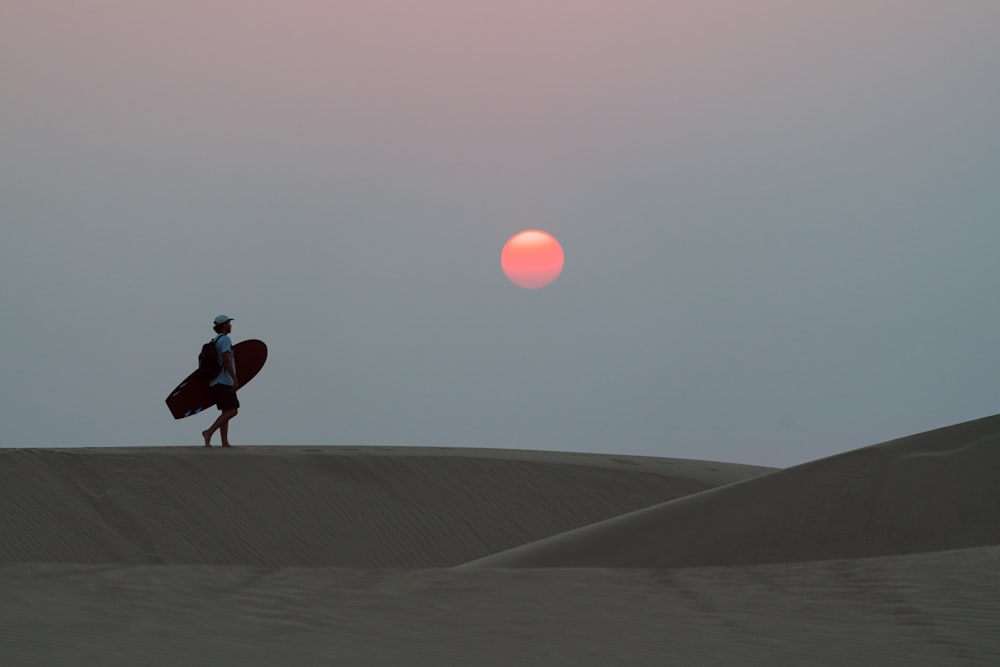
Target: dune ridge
931,491
329,506
887,555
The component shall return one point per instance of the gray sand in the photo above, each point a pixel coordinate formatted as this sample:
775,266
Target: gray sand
387,556
331,506
925,609
933,491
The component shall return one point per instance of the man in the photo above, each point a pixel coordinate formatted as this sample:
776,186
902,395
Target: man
225,384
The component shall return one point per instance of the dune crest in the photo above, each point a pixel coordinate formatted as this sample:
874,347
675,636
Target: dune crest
346,555
928,492
318,506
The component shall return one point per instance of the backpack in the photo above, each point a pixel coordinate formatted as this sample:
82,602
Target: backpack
209,362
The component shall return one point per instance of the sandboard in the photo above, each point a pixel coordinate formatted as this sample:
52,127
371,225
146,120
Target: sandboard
192,395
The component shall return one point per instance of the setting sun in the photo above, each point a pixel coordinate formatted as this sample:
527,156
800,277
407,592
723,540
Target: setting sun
532,259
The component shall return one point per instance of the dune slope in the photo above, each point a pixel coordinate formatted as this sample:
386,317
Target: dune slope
927,492
331,506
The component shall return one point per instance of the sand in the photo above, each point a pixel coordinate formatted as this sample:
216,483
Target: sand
934,491
364,507
888,555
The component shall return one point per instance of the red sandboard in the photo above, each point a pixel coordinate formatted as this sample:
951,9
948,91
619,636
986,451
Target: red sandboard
193,395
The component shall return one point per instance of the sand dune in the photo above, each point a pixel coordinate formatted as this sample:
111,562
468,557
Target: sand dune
333,506
932,491
925,609
260,556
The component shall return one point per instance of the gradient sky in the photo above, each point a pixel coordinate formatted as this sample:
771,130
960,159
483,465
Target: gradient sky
780,220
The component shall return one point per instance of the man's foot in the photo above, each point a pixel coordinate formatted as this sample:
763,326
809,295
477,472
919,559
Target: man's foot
208,438
226,444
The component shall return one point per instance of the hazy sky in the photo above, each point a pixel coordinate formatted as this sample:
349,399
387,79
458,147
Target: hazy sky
780,220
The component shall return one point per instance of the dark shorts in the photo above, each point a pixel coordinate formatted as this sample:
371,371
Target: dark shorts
225,397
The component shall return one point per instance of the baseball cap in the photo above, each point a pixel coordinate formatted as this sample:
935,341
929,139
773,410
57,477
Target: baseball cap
221,319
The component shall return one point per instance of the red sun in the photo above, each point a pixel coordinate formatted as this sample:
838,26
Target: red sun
532,259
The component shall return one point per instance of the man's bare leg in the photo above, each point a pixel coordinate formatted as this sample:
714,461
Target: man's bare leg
221,423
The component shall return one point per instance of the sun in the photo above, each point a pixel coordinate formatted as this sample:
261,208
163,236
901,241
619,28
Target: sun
532,259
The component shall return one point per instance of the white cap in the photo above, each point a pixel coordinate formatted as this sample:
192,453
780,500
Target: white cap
222,319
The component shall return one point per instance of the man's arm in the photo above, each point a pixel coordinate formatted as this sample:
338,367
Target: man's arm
227,361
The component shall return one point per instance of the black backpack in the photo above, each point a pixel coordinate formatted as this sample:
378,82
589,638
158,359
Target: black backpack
208,361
